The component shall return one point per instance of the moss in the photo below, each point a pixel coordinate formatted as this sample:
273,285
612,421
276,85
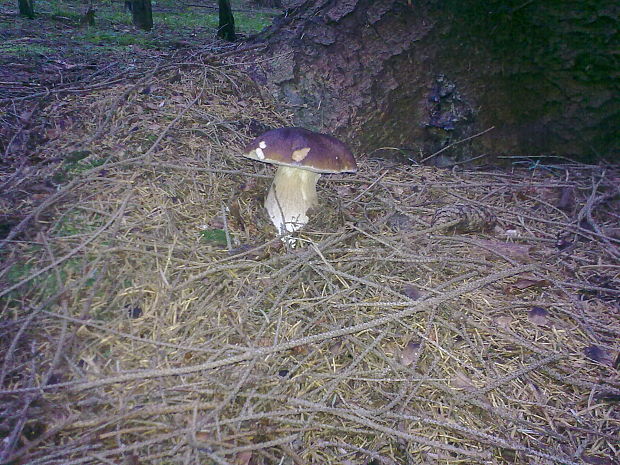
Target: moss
73,165
103,37
217,236
46,283
115,16
251,24
74,222
69,14
186,20
25,49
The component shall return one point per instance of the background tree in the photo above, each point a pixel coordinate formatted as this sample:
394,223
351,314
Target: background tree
420,76
26,8
141,14
88,16
226,29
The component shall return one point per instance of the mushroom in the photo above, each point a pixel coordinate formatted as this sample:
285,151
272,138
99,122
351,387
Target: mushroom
302,156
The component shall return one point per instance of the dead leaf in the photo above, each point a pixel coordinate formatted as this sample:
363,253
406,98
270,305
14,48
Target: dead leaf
511,455
595,460
541,398
538,315
412,292
301,350
248,185
400,222
611,232
598,354
503,321
55,378
462,381
608,397
236,219
344,190
175,77
217,222
41,188
243,458
39,196
132,459
204,436
25,116
566,202
398,191
563,243
410,353
53,133
512,250
547,194
512,233
585,224
265,281
526,283
246,248
337,347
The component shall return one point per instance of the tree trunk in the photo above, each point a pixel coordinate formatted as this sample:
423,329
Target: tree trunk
26,8
88,17
420,76
226,29
142,14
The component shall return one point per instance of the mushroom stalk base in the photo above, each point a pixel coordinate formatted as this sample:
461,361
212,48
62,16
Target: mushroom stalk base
292,194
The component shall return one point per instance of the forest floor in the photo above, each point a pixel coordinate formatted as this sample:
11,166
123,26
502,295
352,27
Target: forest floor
54,55
150,316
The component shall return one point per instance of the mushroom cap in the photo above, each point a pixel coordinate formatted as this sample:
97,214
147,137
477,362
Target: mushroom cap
303,149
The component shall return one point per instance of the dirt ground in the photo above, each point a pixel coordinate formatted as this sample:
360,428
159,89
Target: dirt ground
151,315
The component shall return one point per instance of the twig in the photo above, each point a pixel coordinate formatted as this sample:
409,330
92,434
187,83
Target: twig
455,143
264,351
520,372
380,458
226,231
387,430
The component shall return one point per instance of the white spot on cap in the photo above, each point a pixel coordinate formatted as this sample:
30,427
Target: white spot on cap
299,155
259,153
262,144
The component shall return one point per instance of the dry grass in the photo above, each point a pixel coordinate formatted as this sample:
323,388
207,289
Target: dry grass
129,338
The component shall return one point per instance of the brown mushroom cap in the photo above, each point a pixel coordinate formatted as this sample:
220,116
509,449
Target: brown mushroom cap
303,149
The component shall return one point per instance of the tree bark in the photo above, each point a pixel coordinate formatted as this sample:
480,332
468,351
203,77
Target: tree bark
420,76
142,14
26,8
226,29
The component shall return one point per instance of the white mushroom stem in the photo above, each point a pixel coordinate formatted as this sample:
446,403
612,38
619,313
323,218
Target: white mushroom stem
292,194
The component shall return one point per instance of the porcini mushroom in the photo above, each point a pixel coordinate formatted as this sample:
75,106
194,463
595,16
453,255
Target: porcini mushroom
302,156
